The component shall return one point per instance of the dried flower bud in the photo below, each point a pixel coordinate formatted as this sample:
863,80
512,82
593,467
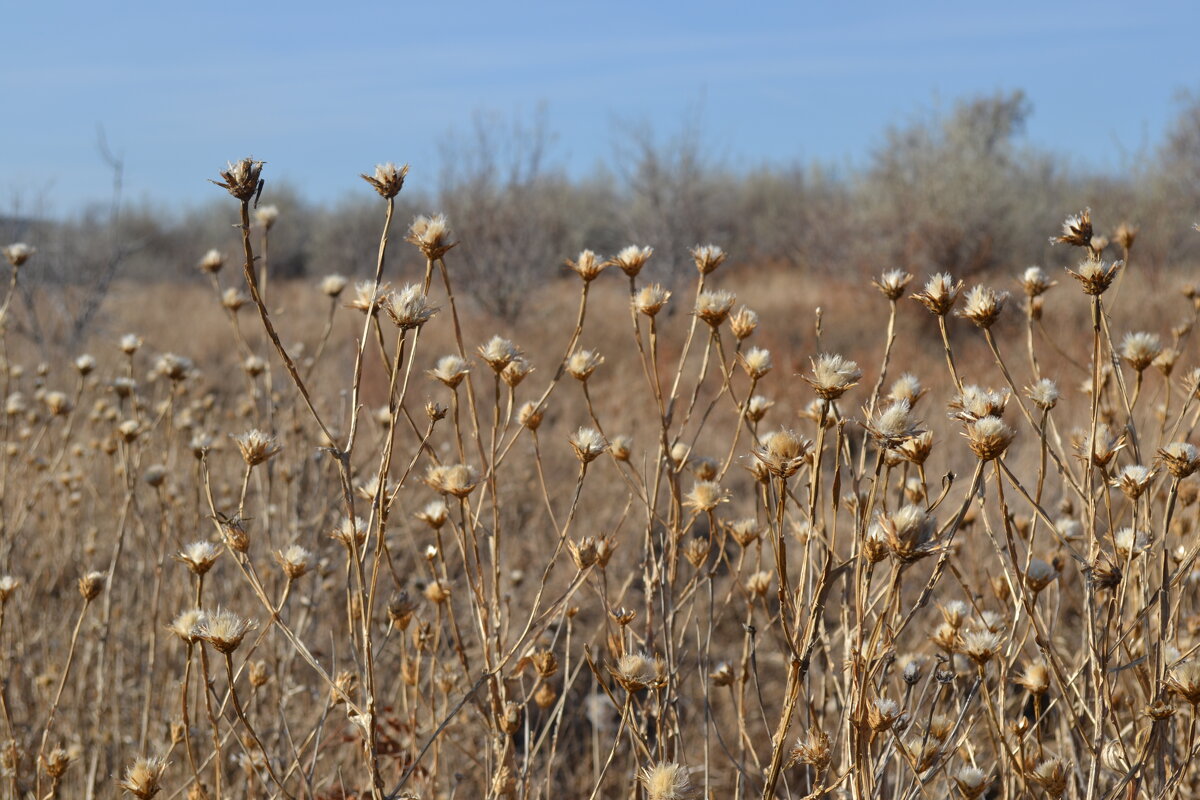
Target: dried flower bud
388,179
242,179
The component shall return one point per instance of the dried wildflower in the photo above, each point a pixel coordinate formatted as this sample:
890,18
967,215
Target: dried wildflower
143,776
1184,680
517,370
983,306
832,375
1140,349
812,750
1036,282
458,480
708,257
256,446
450,370
242,179
587,265
57,403
696,551
582,363
295,561
388,179
199,556
988,437
1160,710
91,584
588,444
224,630
882,713
981,646
1103,447
665,781
637,671
498,352
368,298
744,531
971,781
434,514
130,343
409,308
650,299
743,323
713,307
910,533
892,283
1095,276
893,425
1076,230
1039,575
632,259
351,532
437,592
8,585
758,408
783,452
18,253
55,762
266,216
1044,394
332,285
1052,775
1180,458
940,294
431,235
1130,543
722,675
1165,361
705,495
906,387
756,361
530,415
173,367
85,364
621,447
1133,480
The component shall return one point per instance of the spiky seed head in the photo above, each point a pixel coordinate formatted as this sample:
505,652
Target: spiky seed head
906,387
1052,775
294,560
333,285
981,645
882,713
173,367
1166,360
917,449
651,299
621,447
1184,680
757,362
55,761
910,533
714,306
143,776
708,257
1040,575
832,375
758,407
57,403
988,437
582,363
812,750
1133,480
666,781
1180,458
458,480
130,343
409,308
940,294
783,452
1044,393
705,495
971,781
199,556
892,283
368,298
1076,230
351,532
637,671
696,551
1036,282
587,265
256,446
893,425
241,178
954,613
434,514
224,630
743,323
1130,543
85,364
983,306
1140,349
632,259
530,415
973,403
1095,275
450,370
723,675
266,216
431,235
588,444
8,585
91,584
517,370
498,352
744,531
388,179
186,625
18,253
1035,678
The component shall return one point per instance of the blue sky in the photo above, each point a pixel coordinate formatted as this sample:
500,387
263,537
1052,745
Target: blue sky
322,91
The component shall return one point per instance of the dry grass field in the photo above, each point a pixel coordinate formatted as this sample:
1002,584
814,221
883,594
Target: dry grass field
758,535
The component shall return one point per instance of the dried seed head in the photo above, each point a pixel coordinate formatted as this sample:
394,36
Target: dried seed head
1133,480
18,253
632,259
130,343
636,671
367,297
983,306
55,762
266,216
8,585
450,370
588,444
437,592
906,387
91,584
743,323
199,556
1035,678
1165,361
1130,543
530,415
1036,282
1076,230
388,179
351,532
1040,575
832,375
143,776
665,781
756,361
708,257
955,613
696,551
650,299
587,265
582,363
621,447
744,531
295,561
254,366
498,352
332,285
224,630
783,452
517,370
85,364
256,446
173,367
988,437
431,235
409,308
713,307
971,781
910,533
940,294
241,179
812,750
1140,349
1180,458
893,425
981,646
758,408
1184,680
722,675
1094,275
57,403
1044,394
434,514
1103,448
917,449
458,480
1052,775
705,495
882,713
892,283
